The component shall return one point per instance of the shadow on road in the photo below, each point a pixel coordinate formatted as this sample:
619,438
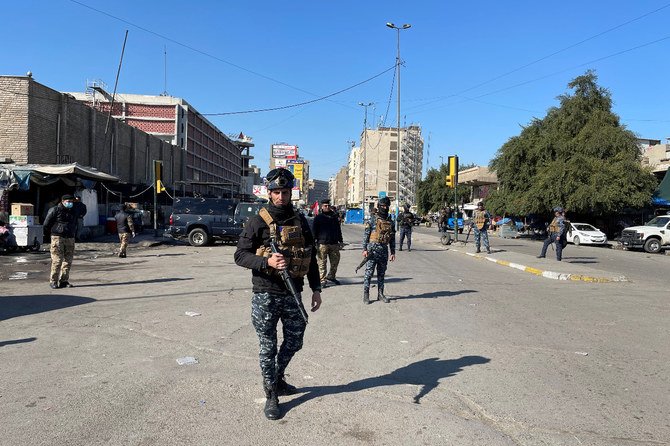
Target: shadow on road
426,373
17,341
434,295
137,282
15,306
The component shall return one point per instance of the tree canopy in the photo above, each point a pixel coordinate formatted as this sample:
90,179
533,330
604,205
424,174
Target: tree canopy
578,156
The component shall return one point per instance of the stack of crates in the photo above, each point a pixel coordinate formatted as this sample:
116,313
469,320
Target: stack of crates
25,225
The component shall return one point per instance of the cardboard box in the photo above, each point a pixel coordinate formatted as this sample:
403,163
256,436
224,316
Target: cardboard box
28,235
22,209
23,220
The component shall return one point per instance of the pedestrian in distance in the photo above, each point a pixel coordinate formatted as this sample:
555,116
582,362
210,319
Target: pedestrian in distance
80,211
277,225
481,220
406,223
125,228
328,236
61,224
555,233
378,238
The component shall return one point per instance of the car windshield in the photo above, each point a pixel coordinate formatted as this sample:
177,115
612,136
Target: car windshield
246,210
659,222
584,227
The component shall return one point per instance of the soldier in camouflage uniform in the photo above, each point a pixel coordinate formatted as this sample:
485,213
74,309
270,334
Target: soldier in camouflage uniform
554,234
379,237
272,301
61,224
481,219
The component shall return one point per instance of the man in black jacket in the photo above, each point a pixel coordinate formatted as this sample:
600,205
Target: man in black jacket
272,301
125,227
328,236
61,223
406,223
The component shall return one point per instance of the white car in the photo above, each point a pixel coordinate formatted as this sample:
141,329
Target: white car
584,233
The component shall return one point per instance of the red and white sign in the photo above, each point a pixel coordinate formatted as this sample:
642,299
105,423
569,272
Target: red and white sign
260,190
284,151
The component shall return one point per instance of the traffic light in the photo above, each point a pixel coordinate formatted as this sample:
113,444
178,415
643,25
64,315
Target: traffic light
158,176
452,169
450,181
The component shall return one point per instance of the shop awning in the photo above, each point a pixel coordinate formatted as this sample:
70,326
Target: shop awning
14,176
661,196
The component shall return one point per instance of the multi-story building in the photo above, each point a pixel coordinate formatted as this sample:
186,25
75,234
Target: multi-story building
337,188
213,163
379,159
317,190
657,156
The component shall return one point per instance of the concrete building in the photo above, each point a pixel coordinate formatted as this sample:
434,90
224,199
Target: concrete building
481,181
213,161
39,125
337,188
657,156
317,190
379,158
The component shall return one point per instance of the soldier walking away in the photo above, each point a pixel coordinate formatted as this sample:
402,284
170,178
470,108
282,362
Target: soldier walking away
406,221
481,219
379,237
125,227
328,236
272,301
61,223
554,234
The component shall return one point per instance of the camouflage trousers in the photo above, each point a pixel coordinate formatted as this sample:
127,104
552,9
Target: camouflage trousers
406,232
481,235
266,311
123,238
326,252
378,257
62,253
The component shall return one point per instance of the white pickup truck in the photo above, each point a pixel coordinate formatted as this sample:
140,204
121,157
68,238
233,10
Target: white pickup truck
652,237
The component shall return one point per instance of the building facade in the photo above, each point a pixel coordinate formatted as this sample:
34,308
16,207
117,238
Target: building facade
379,160
337,188
354,177
317,190
39,125
213,161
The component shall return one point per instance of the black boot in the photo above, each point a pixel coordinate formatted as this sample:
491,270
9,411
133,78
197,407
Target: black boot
284,388
380,296
271,403
366,297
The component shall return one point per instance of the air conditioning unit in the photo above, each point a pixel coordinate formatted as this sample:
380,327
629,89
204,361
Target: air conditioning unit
6,161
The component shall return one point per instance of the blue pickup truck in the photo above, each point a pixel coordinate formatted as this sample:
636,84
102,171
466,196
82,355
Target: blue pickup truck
205,220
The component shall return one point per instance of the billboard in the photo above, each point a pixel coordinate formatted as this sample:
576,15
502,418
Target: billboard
284,151
280,163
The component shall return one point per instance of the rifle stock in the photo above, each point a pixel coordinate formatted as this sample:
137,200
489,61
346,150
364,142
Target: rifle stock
288,281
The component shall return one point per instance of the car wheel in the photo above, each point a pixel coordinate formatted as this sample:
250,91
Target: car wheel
652,245
576,240
198,237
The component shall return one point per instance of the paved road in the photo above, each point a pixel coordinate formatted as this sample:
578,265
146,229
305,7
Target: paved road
469,352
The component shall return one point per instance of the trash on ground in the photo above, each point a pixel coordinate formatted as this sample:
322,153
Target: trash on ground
187,360
582,353
192,313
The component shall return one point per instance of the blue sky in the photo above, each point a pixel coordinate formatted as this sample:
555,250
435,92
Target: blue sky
225,56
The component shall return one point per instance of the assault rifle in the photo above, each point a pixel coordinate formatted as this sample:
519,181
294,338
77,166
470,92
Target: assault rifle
360,265
288,281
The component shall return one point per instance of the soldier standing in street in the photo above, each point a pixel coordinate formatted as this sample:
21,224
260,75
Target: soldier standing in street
555,232
406,221
125,227
481,219
379,237
272,301
61,223
328,236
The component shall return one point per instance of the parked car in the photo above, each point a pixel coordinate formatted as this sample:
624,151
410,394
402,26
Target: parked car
652,237
584,233
204,220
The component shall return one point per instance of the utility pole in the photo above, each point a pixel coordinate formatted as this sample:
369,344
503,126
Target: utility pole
364,149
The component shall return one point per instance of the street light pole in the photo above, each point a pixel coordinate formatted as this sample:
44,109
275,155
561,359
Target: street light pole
365,147
399,148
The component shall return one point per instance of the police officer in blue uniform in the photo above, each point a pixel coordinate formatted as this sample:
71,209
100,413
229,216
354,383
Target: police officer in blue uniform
378,239
555,234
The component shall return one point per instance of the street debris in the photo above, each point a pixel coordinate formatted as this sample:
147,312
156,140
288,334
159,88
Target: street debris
582,353
187,360
192,313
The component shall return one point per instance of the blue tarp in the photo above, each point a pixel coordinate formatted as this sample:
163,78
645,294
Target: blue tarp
354,216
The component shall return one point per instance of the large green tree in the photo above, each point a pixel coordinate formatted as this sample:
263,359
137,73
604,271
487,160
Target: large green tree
578,156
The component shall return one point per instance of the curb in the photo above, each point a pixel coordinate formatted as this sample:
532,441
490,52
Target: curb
546,274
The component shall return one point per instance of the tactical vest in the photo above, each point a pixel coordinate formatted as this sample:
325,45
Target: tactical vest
480,219
382,232
554,227
290,242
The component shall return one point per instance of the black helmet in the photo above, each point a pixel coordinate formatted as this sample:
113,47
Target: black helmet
406,207
279,179
558,209
480,204
386,201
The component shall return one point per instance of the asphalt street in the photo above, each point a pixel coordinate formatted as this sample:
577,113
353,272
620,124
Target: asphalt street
468,352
